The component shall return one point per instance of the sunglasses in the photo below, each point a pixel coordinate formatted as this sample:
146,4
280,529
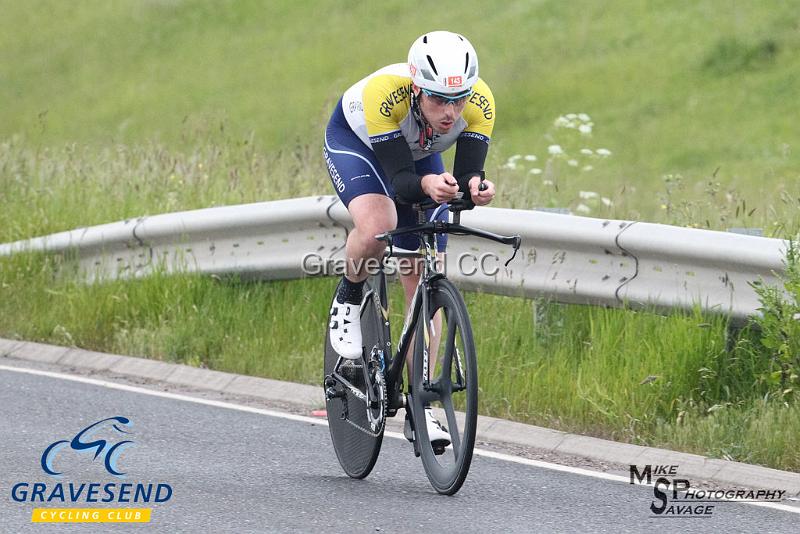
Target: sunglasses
443,100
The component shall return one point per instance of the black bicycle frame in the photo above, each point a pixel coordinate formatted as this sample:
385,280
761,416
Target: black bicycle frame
419,307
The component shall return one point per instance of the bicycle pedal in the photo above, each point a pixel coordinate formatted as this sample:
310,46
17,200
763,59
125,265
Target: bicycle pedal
439,446
332,393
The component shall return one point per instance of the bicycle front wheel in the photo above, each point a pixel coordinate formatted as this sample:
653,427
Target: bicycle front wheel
449,388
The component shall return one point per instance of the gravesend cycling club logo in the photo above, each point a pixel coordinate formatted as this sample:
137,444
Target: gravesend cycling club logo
100,443
100,446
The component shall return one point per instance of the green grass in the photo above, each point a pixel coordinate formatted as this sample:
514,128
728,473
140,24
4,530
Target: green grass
46,190
624,375
50,189
702,89
260,329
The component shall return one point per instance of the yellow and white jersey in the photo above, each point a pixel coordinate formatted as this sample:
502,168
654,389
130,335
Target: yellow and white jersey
378,108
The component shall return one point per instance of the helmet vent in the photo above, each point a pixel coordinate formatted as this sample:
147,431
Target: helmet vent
466,64
425,39
430,62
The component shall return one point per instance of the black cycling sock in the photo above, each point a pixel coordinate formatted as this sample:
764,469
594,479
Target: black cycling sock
350,292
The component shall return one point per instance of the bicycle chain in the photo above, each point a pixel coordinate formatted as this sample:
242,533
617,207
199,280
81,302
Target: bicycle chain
365,431
383,421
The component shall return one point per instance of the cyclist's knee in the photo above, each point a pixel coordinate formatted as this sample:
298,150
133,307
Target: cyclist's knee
372,215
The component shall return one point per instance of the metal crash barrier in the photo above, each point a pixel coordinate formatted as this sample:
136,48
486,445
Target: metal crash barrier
563,258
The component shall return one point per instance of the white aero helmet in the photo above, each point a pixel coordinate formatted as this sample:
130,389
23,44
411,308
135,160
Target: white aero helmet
443,63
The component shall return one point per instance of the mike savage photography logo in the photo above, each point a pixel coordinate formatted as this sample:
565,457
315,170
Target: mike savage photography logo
673,495
101,443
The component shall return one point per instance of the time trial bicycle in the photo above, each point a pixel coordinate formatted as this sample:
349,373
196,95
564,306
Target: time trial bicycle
360,394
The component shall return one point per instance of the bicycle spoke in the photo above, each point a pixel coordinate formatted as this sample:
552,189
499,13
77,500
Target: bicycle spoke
452,424
449,347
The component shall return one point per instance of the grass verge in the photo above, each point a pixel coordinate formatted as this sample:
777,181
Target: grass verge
676,381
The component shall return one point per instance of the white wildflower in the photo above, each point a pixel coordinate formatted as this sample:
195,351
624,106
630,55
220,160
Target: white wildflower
535,171
585,129
603,152
584,117
530,157
606,201
587,151
561,122
572,116
587,168
583,208
555,150
572,163
586,195
510,165
515,157
547,182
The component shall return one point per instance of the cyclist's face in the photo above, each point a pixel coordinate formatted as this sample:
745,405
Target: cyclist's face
440,114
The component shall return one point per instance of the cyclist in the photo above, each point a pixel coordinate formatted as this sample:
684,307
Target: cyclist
383,148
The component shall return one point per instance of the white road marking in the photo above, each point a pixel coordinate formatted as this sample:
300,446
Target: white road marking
319,421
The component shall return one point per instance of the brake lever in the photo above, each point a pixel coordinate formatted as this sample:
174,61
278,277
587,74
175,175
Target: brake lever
517,243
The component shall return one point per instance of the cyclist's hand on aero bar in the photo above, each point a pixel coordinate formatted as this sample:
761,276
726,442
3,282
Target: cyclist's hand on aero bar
481,198
440,187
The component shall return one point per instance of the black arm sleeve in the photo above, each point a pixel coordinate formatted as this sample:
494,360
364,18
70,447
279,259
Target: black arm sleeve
470,157
398,165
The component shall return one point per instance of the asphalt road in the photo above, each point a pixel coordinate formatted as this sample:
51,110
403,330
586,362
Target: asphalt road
237,471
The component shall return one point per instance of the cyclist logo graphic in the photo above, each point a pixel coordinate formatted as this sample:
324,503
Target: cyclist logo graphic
82,442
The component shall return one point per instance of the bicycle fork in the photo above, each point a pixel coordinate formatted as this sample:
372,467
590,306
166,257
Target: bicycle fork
409,426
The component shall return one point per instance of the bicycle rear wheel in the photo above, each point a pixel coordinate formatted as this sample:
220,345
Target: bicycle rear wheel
452,389
356,427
